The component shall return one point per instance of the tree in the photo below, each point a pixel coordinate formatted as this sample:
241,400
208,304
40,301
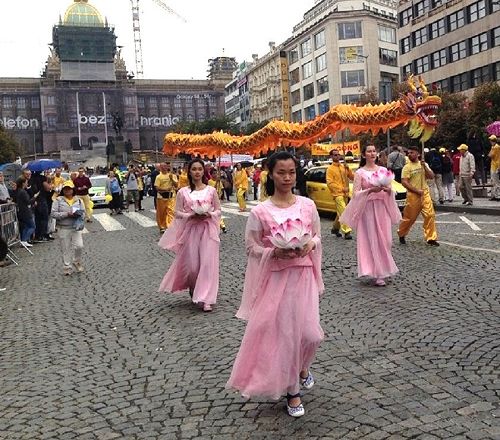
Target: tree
484,107
9,148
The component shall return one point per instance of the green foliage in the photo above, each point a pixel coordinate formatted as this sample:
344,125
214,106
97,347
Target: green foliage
484,107
9,148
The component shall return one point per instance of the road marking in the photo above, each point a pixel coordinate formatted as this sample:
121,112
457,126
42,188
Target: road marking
443,223
461,246
85,231
109,223
472,225
142,220
487,223
443,213
479,235
235,211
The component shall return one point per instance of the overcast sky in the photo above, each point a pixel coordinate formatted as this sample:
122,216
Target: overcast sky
172,49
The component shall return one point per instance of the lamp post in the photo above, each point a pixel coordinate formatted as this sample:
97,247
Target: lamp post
34,141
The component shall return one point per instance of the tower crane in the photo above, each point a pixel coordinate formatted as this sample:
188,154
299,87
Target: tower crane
136,23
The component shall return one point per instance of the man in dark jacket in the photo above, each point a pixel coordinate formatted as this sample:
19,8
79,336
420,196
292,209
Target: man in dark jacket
476,148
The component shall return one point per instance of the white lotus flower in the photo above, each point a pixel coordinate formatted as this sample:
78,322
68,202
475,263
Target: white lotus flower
382,177
291,234
201,207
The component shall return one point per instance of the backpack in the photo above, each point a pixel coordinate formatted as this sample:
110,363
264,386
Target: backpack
435,163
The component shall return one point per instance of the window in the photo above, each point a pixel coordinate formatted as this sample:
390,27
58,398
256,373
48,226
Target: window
387,34
7,102
319,39
323,106
405,17
352,54
350,99
496,68
460,82
322,85
436,3
353,78
476,11
406,71
480,76
294,76
129,100
51,100
129,120
140,101
495,6
457,20
177,102
51,121
458,51
310,113
479,43
307,70
305,47
438,28
349,29
388,57
73,120
405,45
152,101
296,97
496,36
35,102
420,36
321,63
317,175
21,103
293,55
165,102
421,7
422,64
297,116
438,58
309,91
442,85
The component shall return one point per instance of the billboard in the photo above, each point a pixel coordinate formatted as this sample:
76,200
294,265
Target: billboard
324,149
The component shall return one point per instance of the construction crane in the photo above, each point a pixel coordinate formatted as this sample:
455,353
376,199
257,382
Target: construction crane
136,22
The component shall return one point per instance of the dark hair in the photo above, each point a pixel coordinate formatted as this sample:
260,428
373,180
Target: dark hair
190,179
362,162
20,181
281,155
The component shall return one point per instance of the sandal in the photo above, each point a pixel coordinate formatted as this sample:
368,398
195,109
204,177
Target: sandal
294,411
307,382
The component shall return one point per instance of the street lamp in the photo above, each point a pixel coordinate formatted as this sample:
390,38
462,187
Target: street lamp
34,140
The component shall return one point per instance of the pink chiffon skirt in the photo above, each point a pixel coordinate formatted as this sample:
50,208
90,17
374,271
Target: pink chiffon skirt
282,335
196,266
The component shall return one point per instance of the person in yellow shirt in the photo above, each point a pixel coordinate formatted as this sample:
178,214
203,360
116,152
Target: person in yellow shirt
241,185
166,185
418,199
183,177
494,155
57,183
215,182
337,179
262,184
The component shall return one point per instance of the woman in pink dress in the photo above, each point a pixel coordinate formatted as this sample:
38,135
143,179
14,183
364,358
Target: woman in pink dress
371,213
281,295
194,237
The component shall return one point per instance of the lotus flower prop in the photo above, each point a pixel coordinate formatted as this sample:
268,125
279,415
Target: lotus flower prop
291,234
382,177
201,207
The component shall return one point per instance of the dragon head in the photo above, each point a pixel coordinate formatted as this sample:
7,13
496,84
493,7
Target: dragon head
422,109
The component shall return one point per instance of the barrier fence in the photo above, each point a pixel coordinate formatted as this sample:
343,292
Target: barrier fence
9,229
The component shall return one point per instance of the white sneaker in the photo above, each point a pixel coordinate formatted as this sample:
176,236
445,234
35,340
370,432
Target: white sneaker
26,244
295,411
308,382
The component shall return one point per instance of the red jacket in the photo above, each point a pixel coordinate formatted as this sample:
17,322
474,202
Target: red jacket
456,163
82,181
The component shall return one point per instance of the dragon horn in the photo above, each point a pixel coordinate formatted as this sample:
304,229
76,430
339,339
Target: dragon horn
423,86
411,83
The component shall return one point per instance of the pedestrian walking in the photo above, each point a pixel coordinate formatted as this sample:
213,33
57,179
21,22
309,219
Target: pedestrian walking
467,170
455,166
132,180
395,162
434,160
338,177
215,182
494,156
114,189
165,184
281,294
262,184
241,186
418,200
69,212
194,237
25,216
447,170
372,212
82,186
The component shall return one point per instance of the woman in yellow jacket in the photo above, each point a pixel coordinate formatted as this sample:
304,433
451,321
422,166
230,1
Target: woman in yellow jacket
215,182
241,185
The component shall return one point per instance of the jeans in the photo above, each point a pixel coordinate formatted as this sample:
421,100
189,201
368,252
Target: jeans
27,227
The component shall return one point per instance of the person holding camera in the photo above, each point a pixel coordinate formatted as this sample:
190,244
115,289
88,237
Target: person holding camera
132,179
166,185
69,212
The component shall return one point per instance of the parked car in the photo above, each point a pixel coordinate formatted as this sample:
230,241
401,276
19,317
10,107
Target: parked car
320,194
98,191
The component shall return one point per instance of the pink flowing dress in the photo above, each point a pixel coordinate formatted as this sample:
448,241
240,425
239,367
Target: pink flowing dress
196,244
372,215
281,303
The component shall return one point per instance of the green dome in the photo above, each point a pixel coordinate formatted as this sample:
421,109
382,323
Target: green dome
81,13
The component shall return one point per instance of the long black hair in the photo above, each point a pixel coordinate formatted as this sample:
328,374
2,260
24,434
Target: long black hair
281,155
362,162
190,179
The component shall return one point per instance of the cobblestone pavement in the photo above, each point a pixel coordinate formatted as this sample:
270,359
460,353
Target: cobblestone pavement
101,355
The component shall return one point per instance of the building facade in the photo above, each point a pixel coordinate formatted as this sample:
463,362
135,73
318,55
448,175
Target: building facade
86,92
454,45
269,86
340,49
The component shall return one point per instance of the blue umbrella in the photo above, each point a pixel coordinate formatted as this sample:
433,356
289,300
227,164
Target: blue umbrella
42,164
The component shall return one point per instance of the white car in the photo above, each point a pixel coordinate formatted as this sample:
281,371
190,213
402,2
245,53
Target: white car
98,191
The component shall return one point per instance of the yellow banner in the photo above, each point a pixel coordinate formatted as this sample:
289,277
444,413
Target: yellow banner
324,149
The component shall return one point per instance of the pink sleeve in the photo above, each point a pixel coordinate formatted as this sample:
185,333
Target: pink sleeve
179,207
317,253
216,213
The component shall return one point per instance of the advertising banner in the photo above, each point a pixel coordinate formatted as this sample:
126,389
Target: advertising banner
324,149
